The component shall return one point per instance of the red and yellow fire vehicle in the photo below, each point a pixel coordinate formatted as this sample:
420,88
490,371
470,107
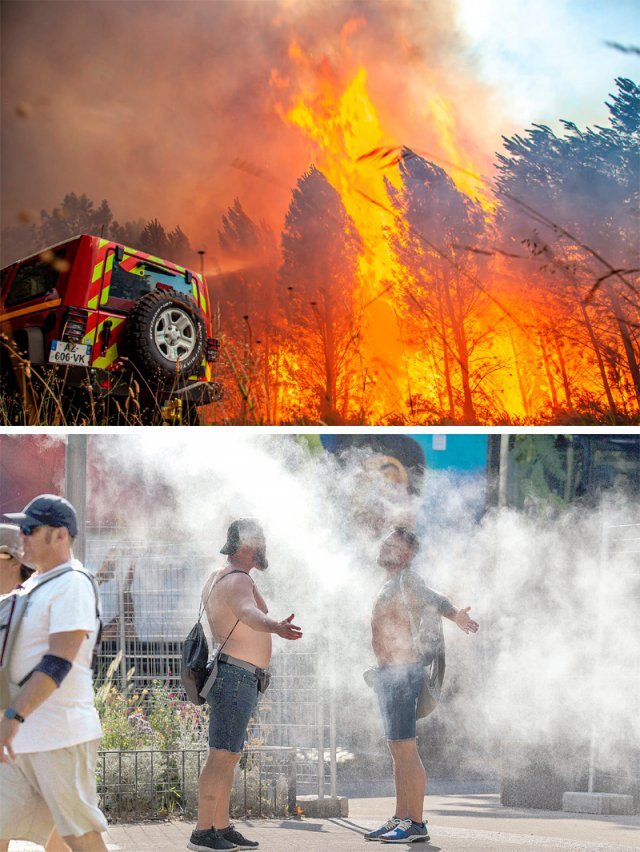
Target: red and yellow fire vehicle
110,318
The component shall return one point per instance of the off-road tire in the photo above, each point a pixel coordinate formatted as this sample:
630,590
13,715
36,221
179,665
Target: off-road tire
166,336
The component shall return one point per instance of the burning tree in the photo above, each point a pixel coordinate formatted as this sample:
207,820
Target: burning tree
577,198
318,294
439,277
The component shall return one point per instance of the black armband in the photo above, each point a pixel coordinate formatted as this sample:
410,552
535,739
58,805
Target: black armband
57,668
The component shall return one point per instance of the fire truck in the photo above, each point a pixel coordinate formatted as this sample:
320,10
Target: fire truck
104,323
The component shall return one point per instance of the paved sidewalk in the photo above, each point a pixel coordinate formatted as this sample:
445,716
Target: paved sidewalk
472,823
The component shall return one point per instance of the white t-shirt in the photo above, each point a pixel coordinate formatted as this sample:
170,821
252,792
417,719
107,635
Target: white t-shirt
68,716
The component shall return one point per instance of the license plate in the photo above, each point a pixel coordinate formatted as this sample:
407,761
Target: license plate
73,354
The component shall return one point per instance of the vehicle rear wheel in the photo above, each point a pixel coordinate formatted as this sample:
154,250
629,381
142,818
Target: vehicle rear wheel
166,335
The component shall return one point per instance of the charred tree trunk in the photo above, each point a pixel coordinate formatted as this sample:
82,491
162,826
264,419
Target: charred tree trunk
563,371
523,394
436,374
457,327
627,342
599,358
445,352
547,370
331,379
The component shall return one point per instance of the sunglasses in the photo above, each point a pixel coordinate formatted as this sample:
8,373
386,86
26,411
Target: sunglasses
28,529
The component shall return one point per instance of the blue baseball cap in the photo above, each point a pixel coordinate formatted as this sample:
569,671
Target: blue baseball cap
47,510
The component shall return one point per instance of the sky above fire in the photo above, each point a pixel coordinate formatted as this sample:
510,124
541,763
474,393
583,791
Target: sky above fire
554,59
172,109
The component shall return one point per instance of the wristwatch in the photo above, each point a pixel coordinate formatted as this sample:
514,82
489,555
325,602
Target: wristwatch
10,713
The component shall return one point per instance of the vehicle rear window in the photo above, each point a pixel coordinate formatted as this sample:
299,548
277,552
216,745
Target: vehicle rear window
36,278
133,277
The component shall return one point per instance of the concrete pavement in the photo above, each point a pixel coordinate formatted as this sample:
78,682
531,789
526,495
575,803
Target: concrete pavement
469,823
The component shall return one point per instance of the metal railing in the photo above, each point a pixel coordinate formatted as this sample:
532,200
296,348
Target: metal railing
148,783
149,596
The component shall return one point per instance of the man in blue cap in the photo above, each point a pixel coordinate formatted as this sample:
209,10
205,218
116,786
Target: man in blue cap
49,735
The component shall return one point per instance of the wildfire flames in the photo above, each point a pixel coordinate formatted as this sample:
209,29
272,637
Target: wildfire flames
495,352
419,277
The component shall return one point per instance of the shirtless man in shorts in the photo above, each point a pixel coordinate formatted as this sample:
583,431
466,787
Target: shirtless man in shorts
237,613
400,676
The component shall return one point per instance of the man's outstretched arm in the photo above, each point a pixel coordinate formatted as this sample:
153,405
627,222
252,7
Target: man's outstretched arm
462,618
243,605
443,605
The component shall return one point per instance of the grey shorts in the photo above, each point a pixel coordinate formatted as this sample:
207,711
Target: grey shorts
232,702
47,788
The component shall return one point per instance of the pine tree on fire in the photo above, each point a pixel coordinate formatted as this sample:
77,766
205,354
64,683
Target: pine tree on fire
573,200
320,247
441,297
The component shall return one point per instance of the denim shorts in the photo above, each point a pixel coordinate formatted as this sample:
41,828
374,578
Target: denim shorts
232,701
398,687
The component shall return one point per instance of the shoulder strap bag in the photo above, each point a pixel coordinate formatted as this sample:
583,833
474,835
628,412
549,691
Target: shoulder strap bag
199,669
433,659
12,609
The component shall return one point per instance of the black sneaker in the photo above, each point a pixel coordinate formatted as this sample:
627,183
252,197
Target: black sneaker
209,838
237,838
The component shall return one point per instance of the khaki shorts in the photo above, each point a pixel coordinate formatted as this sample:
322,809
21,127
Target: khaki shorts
47,788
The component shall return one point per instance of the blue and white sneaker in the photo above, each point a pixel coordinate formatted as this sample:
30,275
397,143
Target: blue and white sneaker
389,825
407,832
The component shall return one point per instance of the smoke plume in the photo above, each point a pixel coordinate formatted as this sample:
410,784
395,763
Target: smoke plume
169,109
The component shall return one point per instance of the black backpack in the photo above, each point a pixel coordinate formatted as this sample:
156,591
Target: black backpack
195,655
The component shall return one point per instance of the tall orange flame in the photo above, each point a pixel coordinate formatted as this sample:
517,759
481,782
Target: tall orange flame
359,157
342,124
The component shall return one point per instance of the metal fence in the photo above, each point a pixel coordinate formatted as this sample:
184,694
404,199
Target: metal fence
149,594
148,783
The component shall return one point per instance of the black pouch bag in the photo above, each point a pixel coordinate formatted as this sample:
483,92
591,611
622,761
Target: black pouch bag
195,654
264,679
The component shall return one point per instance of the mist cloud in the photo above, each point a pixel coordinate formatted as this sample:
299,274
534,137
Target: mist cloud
558,644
